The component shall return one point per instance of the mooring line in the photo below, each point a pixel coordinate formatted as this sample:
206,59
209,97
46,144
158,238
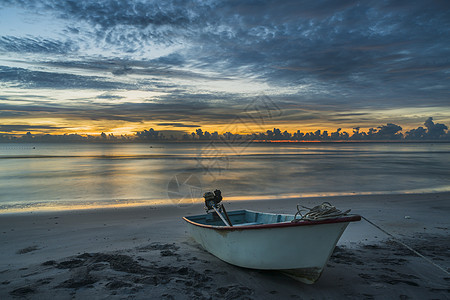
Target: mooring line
406,246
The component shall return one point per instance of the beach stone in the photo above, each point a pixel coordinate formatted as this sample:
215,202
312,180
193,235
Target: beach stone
49,263
75,283
234,292
117,284
69,264
22,292
183,271
27,249
167,253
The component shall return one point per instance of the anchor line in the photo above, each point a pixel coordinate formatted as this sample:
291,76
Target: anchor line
406,246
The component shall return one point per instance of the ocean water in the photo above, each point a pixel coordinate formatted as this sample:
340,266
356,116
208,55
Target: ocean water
73,176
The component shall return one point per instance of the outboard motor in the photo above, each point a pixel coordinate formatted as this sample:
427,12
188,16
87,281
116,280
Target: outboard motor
212,202
213,199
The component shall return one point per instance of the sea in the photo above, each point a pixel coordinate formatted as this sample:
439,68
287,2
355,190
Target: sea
42,177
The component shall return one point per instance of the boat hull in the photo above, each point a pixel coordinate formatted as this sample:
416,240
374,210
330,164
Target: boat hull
301,251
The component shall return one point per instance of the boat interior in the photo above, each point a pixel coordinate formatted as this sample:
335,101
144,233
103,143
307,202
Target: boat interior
241,218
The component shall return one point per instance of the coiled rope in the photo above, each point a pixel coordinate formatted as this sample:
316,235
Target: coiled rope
320,212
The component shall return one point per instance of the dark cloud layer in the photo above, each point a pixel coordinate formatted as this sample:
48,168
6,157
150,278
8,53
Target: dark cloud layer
347,55
26,78
170,111
164,67
177,125
21,128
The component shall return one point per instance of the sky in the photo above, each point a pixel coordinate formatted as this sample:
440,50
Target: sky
118,67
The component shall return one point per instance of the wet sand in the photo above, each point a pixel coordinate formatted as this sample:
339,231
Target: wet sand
145,252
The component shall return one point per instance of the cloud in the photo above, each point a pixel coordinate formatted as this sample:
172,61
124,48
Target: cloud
182,108
36,45
340,56
25,78
137,13
289,43
163,67
21,128
389,131
125,24
178,125
432,132
435,130
109,96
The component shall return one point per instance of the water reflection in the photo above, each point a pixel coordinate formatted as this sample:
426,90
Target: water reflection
88,175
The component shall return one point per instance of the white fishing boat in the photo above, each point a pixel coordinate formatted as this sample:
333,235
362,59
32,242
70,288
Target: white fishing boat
298,246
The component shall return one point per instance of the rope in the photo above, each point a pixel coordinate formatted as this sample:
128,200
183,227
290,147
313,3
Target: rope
320,212
406,246
327,211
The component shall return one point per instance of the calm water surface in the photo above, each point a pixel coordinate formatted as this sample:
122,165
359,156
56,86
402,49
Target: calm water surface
61,176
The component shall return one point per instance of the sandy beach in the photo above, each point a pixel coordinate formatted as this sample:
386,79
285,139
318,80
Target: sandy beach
145,252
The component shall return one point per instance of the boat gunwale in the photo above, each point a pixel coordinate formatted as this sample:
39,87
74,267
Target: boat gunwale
351,218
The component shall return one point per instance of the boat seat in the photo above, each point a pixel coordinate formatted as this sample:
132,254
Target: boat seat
247,224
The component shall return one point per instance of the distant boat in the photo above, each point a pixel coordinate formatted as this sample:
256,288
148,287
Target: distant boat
300,248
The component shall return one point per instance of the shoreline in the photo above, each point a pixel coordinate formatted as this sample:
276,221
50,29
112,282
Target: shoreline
245,200
145,252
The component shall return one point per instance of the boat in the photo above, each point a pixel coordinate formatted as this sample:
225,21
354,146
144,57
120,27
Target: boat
299,247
